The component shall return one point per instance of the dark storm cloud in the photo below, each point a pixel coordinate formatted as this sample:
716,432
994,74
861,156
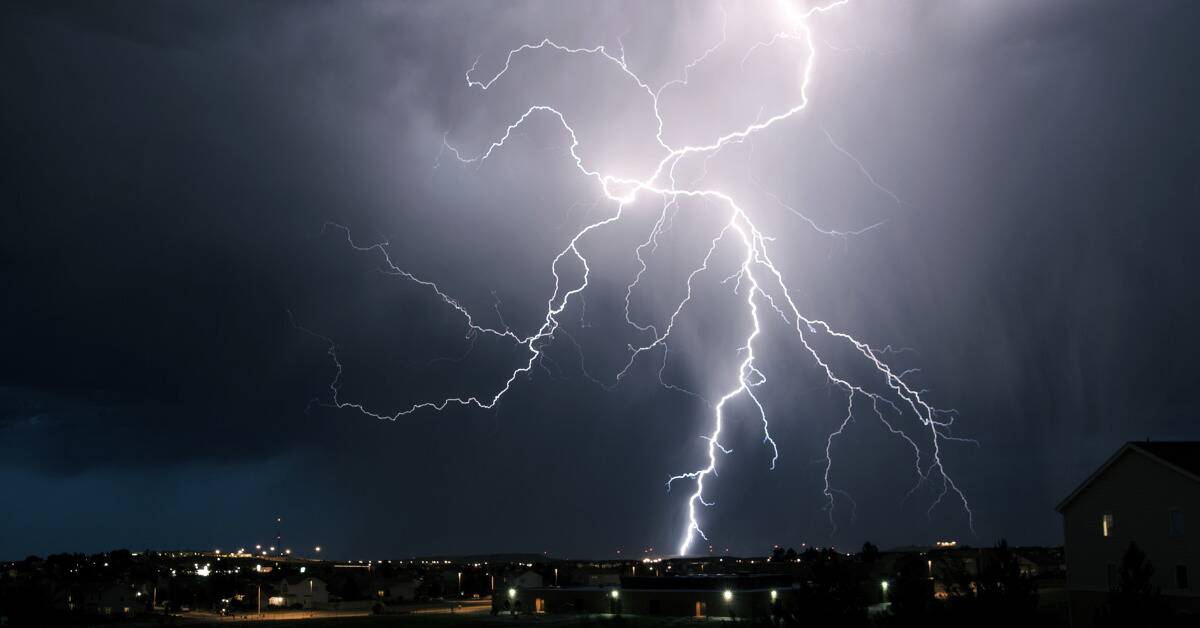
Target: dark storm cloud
168,167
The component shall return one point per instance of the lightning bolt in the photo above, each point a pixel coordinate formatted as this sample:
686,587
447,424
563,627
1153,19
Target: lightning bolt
758,283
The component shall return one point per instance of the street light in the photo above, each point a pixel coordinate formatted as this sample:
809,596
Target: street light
512,593
774,595
728,595
883,585
615,594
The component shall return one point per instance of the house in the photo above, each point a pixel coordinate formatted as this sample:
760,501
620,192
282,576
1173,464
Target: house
1144,494
112,600
524,580
393,590
300,592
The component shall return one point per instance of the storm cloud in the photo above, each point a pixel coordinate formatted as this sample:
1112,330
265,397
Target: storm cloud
169,169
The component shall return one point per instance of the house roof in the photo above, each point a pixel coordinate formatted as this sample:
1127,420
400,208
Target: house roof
1180,456
299,580
1185,455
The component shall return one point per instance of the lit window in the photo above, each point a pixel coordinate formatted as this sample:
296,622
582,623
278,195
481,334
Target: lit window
1181,579
1106,524
1175,525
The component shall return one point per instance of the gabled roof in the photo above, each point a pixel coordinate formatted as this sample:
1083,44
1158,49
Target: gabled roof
290,580
1182,457
1185,455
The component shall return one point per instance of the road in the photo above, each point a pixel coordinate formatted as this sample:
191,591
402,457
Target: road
466,607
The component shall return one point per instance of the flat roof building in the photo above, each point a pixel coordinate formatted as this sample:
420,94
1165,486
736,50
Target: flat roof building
726,595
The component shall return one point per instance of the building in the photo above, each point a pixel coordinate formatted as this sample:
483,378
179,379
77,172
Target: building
300,592
702,596
396,590
113,600
1145,494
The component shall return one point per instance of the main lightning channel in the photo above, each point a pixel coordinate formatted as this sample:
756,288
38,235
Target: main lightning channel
758,281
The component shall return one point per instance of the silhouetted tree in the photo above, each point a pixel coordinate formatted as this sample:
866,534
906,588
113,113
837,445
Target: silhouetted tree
911,594
1135,600
833,594
1001,588
869,553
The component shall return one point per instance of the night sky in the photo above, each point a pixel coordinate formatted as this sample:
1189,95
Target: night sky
169,167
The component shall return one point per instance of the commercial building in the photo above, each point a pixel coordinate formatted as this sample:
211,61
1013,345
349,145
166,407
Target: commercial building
742,596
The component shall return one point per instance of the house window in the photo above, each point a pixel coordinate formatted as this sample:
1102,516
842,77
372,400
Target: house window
1112,575
1106,524
1181,579
1175,523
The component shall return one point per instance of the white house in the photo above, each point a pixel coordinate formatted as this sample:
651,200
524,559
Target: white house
306,592
402,589
527,579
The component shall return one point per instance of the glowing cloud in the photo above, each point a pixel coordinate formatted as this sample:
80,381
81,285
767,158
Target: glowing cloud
758,285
